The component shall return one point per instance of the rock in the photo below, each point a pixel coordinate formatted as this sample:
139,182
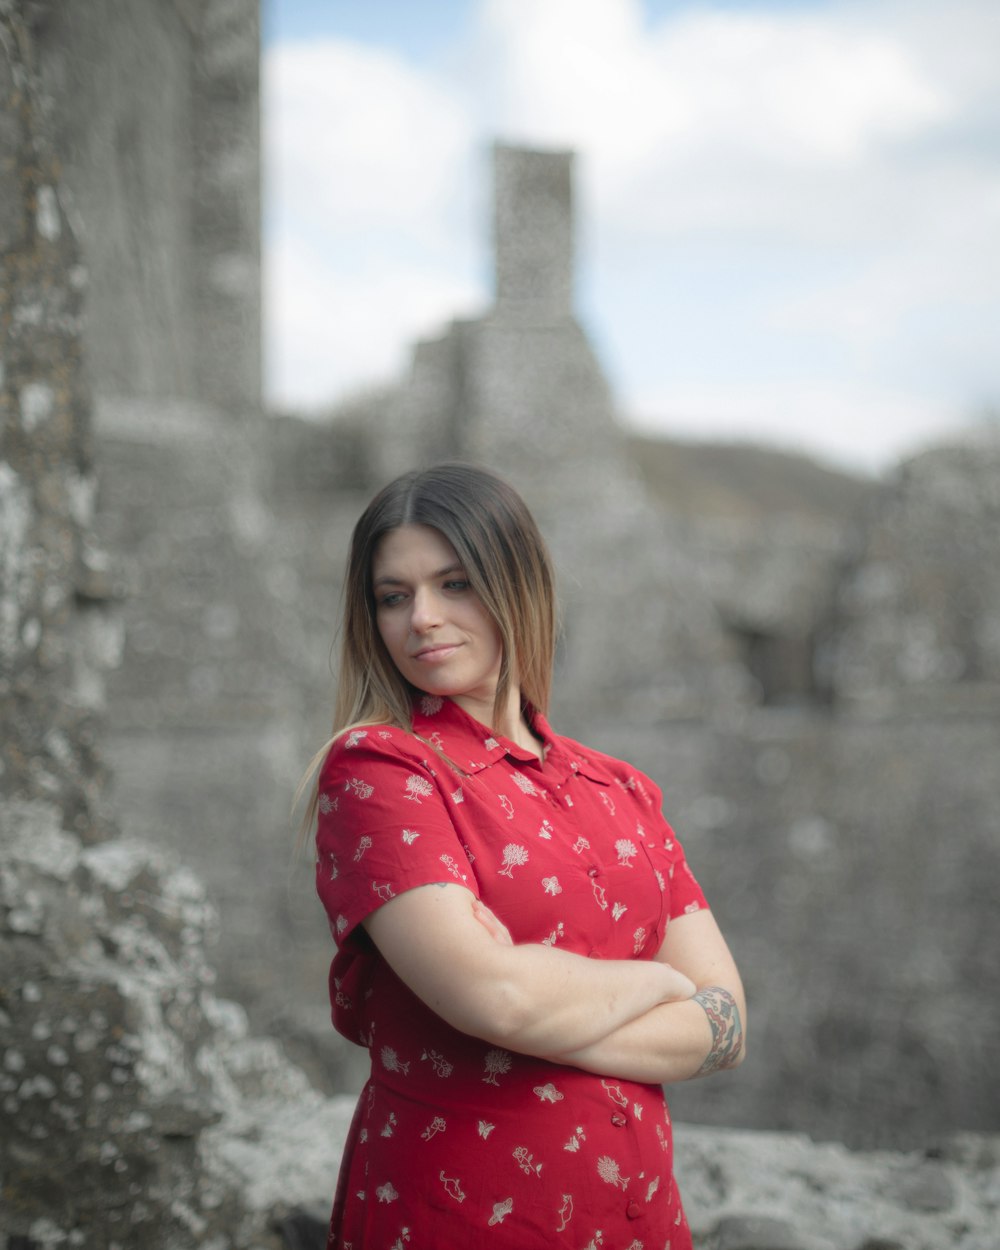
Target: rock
781,1191
138,1110
756,1232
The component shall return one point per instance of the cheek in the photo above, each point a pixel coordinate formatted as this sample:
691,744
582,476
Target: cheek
388,631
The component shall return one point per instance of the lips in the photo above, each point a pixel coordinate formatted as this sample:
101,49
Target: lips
437,653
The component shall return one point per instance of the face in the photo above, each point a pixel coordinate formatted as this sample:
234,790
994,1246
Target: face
434,627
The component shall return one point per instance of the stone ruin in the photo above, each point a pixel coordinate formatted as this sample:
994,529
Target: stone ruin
807,663
136,1108
829,671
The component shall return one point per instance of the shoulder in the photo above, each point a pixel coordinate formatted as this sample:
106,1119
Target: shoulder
614,771
372,773
373,745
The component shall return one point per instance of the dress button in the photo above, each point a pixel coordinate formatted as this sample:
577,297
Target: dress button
633,1210
593,872
618,1120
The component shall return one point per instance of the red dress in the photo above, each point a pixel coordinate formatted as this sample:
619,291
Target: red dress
457,1143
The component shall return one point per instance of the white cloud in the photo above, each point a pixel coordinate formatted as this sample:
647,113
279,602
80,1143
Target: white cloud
861,427
336,331
843,160
357,140
365,161
737,99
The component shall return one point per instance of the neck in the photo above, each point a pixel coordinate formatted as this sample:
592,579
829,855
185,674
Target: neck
509,723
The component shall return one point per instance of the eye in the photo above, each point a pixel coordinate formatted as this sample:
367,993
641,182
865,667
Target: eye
391,599
456,584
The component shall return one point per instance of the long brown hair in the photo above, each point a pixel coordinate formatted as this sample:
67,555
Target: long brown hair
508,566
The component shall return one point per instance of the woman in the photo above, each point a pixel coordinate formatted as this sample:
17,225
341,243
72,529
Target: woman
520,943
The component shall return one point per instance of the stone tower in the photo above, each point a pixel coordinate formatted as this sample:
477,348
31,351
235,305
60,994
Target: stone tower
521,391
533,232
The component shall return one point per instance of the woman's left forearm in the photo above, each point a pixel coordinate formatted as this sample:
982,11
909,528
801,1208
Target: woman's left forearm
672,1042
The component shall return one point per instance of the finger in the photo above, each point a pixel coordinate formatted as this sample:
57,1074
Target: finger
496,928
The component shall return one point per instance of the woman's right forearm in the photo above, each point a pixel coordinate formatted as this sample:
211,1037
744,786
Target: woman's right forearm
555,1001
531,998
672,1042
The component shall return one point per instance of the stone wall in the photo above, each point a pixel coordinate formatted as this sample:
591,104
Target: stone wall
53,626
165,187
137,1109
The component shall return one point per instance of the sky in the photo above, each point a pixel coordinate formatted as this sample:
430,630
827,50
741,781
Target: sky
788,210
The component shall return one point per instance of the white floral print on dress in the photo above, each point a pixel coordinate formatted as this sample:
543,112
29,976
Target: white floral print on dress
452,1187
501,1210
627,851
523,783
361,788
417,788
526,1161
514,856
608,1170
452,867
551,885
558,932
438,1062
392,1063
328,803
410,836
548,1093
614,1092
355,737
565,1212
497,1062
386,1192
430,704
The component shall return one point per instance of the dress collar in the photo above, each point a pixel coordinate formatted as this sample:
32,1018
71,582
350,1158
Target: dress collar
474,747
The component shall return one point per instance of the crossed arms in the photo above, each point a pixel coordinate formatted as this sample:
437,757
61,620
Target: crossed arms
677,1016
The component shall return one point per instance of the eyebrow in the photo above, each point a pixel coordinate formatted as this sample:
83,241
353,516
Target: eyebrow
388,580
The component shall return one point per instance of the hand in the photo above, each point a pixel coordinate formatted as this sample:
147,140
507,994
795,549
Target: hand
494,926
679,986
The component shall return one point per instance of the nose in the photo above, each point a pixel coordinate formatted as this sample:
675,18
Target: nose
426,611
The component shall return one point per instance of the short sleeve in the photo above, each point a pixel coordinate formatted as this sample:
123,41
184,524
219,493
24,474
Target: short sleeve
383,825
686,894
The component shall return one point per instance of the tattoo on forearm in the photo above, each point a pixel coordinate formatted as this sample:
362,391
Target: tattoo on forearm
727,1029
